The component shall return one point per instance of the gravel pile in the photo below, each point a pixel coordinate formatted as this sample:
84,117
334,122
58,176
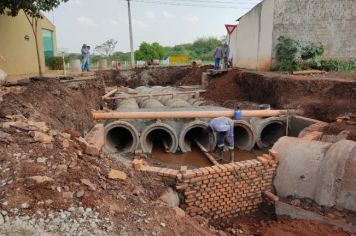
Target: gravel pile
74,221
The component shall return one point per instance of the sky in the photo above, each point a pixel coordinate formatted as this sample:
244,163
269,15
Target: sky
95,21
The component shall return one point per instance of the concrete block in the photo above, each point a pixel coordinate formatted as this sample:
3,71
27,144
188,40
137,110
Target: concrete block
116,175
95,140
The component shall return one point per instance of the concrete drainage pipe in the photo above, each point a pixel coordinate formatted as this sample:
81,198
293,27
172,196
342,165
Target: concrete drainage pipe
177,103
159,133
268,131
244,136
127,104
151,103
194,130
121,137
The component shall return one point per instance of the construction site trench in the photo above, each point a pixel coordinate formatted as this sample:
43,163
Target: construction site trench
65,172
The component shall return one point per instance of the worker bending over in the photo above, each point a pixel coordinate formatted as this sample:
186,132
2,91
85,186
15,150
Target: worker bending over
224,129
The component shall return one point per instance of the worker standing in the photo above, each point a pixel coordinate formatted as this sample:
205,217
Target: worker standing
224,129
217,57
85,57
226,52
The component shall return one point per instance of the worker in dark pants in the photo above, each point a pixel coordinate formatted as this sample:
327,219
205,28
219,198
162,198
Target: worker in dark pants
224,129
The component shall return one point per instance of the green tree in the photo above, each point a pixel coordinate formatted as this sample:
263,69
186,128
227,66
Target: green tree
107,48
33,11
201,48
205,45
160,50
148,52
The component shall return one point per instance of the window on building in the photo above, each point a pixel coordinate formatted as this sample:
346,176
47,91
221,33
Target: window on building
47,38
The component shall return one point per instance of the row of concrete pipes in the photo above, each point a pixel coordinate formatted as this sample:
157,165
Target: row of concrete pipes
176,135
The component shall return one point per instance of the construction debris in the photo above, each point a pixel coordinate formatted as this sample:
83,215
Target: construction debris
56,179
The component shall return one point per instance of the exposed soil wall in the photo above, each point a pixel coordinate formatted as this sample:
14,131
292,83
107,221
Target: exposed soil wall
324,97
225,88
145,76
60,107
320,98
194,76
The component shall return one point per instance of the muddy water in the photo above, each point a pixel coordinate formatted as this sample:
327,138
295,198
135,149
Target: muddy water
192,159
195,158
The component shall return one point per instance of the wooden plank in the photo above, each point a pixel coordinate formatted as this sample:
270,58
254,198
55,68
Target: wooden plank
206,153
308,72
106,96
156,94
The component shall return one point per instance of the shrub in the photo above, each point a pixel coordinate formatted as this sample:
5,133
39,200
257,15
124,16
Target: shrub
55,63
286,55
293,55
337,65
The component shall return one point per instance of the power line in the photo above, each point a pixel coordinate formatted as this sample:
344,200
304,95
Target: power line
177,3
220,2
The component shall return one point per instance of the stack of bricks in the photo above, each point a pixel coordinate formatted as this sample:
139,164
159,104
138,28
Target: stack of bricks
220,191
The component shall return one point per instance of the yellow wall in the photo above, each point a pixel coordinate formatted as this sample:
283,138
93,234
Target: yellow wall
178,59
17,55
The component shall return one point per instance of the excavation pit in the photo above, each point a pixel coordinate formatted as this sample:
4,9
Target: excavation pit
70,113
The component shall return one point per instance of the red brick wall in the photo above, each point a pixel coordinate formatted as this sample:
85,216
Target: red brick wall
222,190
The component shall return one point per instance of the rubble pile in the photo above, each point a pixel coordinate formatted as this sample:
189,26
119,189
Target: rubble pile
48,184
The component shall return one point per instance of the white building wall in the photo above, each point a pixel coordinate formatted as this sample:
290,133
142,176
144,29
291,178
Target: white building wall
331,22
251,43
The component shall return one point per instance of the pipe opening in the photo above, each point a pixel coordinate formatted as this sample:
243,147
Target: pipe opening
271,133
244,137
198,134
159,139
120,139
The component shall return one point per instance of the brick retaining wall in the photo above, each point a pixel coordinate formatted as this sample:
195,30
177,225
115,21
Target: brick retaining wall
226,190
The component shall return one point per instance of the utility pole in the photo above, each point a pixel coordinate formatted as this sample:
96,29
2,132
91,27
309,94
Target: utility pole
131,37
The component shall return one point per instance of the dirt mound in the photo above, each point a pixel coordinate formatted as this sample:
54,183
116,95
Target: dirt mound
161,75
51,184
224,89
194,76
265,222
347,125
321,98
286,226
50,101
48,184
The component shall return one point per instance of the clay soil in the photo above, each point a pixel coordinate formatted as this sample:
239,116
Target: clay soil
322,97
265,223
145,76
132,204
348,125
194,76
224,89
59,106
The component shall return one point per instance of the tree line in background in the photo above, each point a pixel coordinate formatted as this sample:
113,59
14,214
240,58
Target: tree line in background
202,48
